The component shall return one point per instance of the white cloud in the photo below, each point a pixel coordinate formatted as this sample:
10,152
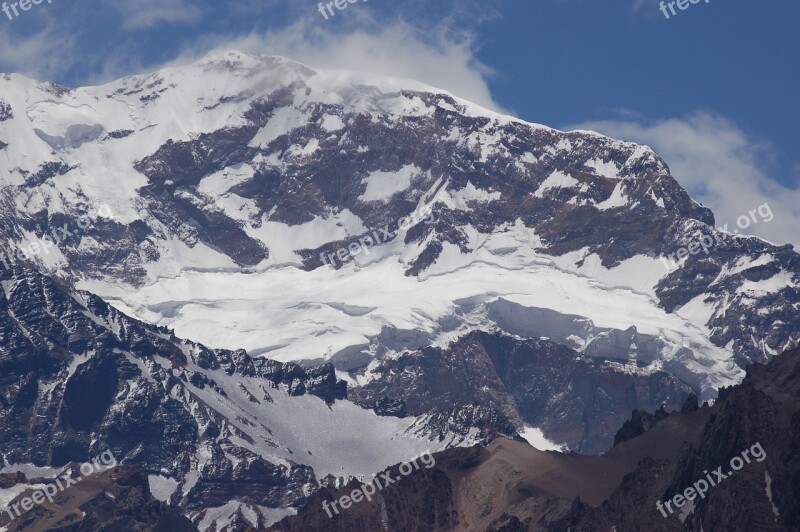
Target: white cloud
720,165
445,59
436,47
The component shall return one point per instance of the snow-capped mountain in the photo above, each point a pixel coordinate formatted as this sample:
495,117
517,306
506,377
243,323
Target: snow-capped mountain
456,267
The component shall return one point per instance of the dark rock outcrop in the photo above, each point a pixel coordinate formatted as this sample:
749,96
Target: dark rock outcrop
534,382
117,499
616,491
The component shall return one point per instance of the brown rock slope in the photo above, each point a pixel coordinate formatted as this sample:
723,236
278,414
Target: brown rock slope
510,486
118,499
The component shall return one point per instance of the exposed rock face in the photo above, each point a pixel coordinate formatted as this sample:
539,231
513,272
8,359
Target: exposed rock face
118,499
211,428
534,382
5,111
65,374
78,376
616,491
639,423
463,420
762,495
422,501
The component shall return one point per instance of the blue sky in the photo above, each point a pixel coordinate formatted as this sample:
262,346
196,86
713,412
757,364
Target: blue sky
713,89
738,58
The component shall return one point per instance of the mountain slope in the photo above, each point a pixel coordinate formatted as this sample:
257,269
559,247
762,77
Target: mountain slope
511,487
211,428
118,499
579,401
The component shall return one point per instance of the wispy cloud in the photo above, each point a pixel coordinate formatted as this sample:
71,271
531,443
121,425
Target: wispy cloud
444,59
40,54
720,165
639,4
150,13
431,43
